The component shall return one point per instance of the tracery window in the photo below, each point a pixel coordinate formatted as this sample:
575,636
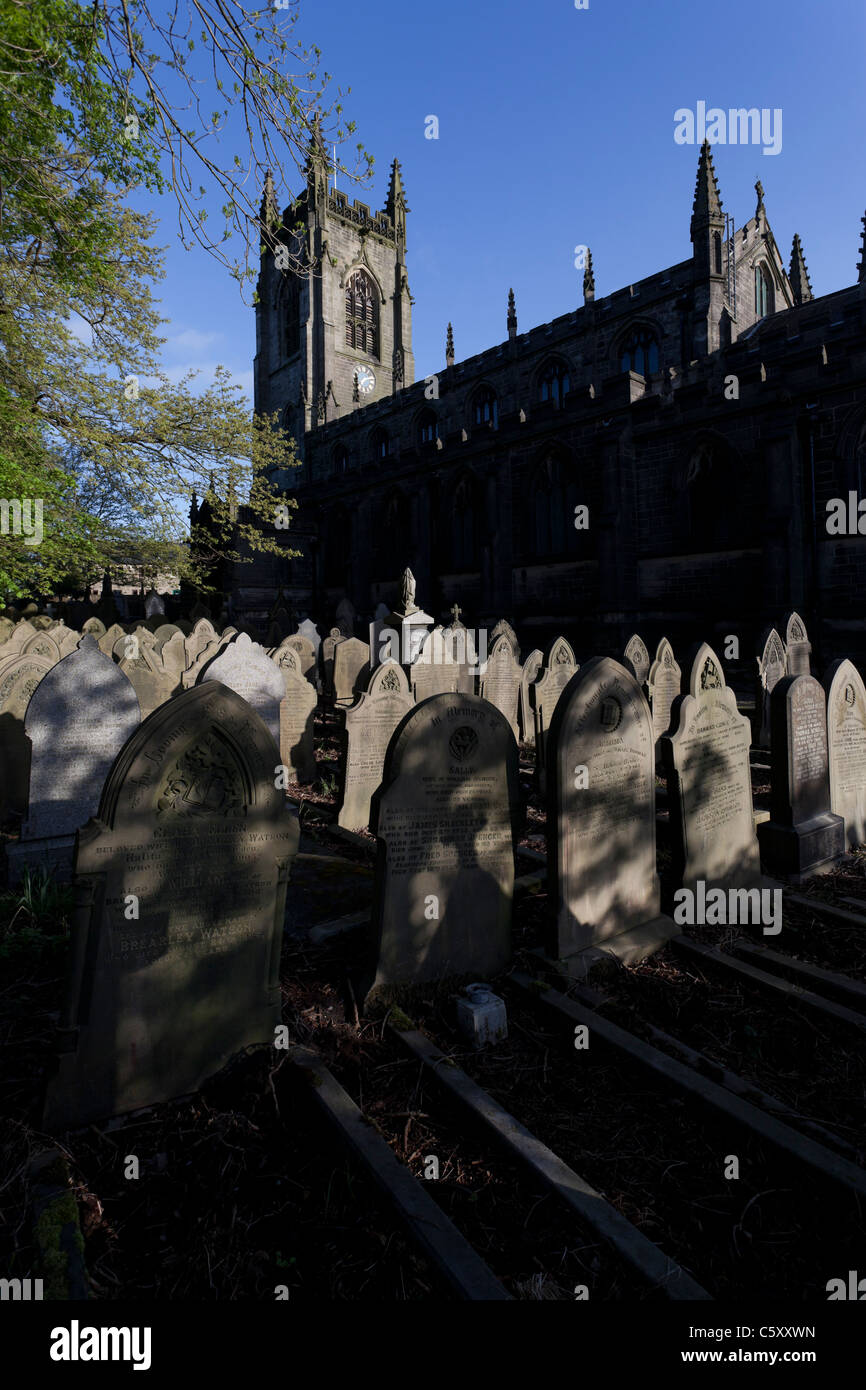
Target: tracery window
486,408
554,383
362,314
640,353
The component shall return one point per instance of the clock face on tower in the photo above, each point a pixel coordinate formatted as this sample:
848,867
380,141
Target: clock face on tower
366,380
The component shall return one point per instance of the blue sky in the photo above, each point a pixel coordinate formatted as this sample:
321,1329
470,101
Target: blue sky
556,129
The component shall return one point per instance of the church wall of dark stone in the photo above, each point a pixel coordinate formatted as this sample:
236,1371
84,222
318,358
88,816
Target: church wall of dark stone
704,418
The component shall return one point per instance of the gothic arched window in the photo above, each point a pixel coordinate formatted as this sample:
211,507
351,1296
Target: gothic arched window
341,460
763,292
554,498
463,536
640,353
485,410
717,253
428,427
554,382
380,445
362,314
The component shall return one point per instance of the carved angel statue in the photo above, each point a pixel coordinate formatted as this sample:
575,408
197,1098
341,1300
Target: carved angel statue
407,591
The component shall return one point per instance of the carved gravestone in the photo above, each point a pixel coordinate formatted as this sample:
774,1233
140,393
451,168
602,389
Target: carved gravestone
109,637
351,668
772,666
191,834
444,819
95,627
369,724
78,719
663,685
460,644
434,670
329,644
297,712
706,758
637,659
306,654
846,741
151,681
203,636
246,668
504,629
500,683
6,628
601,820
558,669
18,680
528,674
309,630
798,646
802,835
165,632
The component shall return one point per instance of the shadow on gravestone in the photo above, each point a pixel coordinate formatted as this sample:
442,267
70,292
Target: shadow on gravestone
180,900
601,821
444,817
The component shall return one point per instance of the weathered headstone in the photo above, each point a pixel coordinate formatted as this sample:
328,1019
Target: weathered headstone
444,819
772,666
434,671
460,644
165,632
306,653
94,626
802,835
706,758
846,740
154,604
500,683
663,685
528,674
504,629
78,719
152,682
246,668
329,643
181,884
308,629
601,820
558,668
109,637
351,668
798,646
369,724
6,628
297,712
18,680
637,659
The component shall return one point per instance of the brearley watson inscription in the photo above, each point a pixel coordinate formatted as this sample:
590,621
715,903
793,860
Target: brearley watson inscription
846,737
601,819
191,831
706,759
445,870
803,833
369,724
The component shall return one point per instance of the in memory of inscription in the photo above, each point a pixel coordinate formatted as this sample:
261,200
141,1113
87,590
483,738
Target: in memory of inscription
192,831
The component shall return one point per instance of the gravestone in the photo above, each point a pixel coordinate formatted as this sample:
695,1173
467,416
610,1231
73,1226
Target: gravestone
351,668
327,658
558,668
369,724
297,712
309,630
165,632
500,683
192,834
772,666
504,629
663,686
6,628
95,627
460,644
846,741
246,668
306,654
151,681
706,759
601,820
798,646
78,719
637,659
203,635
434,671
528,674
154,604
445,868
18,681
802,835
109,637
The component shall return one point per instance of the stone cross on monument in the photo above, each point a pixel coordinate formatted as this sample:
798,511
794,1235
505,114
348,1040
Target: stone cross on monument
455,613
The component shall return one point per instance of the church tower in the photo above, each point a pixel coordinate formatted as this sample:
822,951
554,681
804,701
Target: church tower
334,312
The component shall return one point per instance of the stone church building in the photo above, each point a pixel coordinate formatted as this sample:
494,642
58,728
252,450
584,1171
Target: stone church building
703,417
